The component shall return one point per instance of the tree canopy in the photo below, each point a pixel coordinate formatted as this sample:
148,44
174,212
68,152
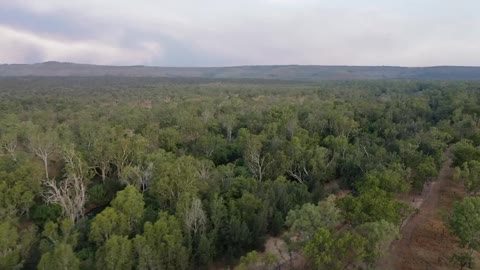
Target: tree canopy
158,173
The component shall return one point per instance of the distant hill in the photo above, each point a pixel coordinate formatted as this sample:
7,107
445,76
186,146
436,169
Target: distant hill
288,72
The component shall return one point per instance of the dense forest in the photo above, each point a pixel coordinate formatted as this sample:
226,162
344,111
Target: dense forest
119,173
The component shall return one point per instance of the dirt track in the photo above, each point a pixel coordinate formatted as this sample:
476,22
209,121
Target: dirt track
426,243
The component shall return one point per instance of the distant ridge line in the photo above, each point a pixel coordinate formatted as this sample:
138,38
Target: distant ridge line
277,72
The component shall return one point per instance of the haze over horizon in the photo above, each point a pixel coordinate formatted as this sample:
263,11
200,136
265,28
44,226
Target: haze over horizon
232,66
253,32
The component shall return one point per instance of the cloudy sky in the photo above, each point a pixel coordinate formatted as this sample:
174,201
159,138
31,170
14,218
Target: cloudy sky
246,32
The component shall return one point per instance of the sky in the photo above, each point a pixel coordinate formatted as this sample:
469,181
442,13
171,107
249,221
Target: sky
241,32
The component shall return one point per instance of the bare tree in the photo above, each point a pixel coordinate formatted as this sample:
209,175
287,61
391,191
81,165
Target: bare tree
125,149
71,192
292,127
43,144
204,169
139,176
228,122
123,155
146,178
206,115
195,218
298,171
100,149
9,143
256,161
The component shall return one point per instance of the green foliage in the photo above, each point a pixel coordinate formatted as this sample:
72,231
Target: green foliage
282,196
392,179
464,151
174,176
370,206
424,170
465,222
237,236
245,224
433,142
305,221
252,260
218,214
15,245
334,251
121,219
108,223
98,195
230,161
470,174
129,202
190,211
463,260
41,214
161,245
116,254
61,258
19,184
55,234
379,235
169,138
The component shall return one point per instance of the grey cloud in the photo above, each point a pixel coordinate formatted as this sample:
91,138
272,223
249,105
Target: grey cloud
213,32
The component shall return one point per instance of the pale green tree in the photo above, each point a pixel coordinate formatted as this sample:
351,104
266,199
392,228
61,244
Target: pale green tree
335,250
129,202
305,221
107,223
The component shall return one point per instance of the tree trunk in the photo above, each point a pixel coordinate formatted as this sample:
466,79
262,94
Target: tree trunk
229,134
45,165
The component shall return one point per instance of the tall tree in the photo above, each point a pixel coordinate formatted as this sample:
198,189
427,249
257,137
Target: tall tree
175,176
71,192
43,145
254,157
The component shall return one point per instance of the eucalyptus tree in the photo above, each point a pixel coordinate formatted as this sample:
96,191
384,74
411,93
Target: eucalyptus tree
43,145
71,191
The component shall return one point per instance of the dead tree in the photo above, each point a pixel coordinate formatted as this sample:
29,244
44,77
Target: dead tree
43,145
70,192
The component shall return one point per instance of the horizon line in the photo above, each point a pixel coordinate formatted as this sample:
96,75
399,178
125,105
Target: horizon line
236,66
